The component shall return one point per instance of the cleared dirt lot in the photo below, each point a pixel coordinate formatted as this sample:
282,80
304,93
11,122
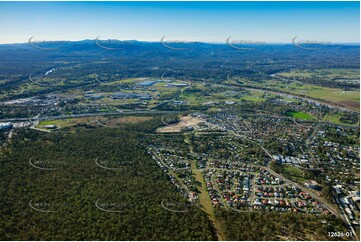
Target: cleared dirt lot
184,122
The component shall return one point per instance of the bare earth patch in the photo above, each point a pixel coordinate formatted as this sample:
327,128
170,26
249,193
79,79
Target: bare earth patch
184,122
352,104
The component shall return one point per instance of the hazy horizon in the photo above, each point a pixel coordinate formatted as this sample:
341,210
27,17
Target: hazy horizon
170,40
208,22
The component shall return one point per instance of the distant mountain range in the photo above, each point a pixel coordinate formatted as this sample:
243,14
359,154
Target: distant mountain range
140,54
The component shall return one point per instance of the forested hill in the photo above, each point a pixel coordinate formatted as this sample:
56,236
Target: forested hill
79,200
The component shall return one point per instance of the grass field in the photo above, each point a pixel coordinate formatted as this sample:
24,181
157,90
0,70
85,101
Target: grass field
199,98
350,99
294,173
192,98
326,93
346,98
324,73
74,121
299,115
64,122
253,98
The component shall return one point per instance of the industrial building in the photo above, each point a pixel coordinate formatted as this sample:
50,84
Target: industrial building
6,125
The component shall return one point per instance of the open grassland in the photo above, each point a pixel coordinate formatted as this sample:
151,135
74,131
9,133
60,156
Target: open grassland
65,122
299,115
350,99
294,173
324,73
129,119
331,94
195,98
199,98
74,121
253,98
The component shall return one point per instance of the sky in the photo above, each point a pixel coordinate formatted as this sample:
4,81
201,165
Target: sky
270,22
